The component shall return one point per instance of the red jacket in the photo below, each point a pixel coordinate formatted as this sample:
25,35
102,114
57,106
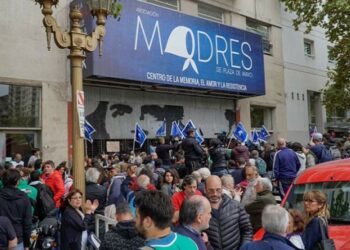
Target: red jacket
55,183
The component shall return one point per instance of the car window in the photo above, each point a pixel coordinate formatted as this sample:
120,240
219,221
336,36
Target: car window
338,194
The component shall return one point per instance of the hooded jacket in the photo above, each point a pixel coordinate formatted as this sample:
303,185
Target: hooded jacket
55,183
241,151
15,205
219,157
122,236
302,160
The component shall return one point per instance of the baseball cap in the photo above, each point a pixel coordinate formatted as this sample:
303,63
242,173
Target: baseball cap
317,137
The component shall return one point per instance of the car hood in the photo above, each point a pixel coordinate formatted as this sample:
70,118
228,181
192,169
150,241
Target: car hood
340,235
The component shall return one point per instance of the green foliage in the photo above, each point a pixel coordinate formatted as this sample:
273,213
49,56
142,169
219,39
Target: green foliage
116,9
334,17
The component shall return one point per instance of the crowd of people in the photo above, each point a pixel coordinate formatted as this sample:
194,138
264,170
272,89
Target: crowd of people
178,196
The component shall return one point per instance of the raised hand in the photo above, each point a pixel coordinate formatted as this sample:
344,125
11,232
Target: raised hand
90,207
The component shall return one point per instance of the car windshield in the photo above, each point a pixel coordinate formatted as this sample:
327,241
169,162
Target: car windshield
338,194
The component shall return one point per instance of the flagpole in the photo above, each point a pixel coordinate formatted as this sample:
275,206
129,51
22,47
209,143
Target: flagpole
164,123
229,142
230,133
133,144
85,147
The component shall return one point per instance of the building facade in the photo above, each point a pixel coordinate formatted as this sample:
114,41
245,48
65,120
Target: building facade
35,93
305,74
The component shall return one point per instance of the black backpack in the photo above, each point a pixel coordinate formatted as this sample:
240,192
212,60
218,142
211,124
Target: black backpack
46,204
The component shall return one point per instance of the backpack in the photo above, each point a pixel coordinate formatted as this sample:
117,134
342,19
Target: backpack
335,152
261,165
326,155
46,204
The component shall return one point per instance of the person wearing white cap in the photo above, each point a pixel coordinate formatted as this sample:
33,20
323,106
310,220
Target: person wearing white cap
320,151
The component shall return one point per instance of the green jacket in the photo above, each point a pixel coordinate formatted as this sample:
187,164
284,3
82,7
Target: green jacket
255,208
31,192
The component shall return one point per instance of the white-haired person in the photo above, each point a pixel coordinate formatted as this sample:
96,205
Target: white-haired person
205,173
228,187
264,197
275,221
251,174
200,183
95,191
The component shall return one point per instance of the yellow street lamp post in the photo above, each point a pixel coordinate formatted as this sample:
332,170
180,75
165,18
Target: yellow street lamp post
78,42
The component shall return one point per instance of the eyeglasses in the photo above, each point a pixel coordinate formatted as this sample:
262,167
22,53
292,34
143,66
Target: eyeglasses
77,198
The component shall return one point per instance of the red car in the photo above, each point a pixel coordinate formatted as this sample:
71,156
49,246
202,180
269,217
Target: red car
332,178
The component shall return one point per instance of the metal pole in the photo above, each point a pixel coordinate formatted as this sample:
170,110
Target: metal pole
76,57
77,41
133,144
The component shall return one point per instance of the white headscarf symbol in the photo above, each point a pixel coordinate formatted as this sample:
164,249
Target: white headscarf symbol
176,45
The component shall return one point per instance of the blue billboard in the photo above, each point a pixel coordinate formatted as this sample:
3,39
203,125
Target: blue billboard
150,44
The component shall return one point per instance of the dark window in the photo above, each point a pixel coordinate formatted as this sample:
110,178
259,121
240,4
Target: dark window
338,194
264,31
20,106
260,116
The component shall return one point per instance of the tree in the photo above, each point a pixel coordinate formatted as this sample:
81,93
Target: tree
334,17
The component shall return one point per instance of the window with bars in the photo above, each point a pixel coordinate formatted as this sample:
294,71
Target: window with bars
170,4
264,31
309,49
210,12
260,116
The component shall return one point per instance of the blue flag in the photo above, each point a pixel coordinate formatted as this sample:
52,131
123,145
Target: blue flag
240,133
176,131
140,136
198,137
263,134
88,131
180,125
255,137
189,125
162,130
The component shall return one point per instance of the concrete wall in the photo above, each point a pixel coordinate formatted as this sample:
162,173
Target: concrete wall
267,11
24,60
302,74
114,112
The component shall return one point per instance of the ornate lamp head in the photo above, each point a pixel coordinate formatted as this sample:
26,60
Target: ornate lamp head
47,6
102,8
